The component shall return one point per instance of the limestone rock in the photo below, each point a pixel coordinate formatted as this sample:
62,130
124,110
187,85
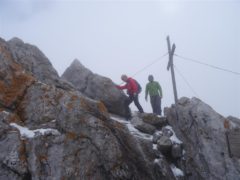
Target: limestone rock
154,120
156,137
142,126
88,145
203,134
35,62
176,151
164,144
96,87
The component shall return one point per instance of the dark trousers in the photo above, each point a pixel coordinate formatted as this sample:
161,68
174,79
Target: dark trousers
134,99
156,104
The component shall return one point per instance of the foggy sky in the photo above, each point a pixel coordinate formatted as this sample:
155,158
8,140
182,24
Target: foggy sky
122,37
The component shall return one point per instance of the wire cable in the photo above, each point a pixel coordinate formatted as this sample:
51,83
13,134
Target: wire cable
147,66
185,80
209,65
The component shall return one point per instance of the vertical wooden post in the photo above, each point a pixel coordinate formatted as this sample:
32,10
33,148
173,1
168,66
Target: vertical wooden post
171,51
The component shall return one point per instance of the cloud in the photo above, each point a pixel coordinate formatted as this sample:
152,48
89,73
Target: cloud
18,10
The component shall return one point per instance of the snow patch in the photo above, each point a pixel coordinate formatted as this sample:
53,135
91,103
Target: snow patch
156,161
176,171
131,128
25,132
155,146
173,138
5,112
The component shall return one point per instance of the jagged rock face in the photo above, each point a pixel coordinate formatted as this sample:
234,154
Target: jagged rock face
96,87
35,62
13,80
202,131
82,142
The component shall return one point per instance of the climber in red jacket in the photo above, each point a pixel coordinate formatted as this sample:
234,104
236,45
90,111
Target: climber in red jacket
132,91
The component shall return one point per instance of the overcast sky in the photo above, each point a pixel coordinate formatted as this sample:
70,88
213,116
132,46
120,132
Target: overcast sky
122,37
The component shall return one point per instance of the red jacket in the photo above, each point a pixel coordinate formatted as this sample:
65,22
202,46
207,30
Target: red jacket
130,85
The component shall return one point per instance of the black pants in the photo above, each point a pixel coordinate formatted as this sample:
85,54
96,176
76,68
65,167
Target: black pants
134,99
156,104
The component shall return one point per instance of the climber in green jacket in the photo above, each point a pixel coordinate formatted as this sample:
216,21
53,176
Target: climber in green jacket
154,89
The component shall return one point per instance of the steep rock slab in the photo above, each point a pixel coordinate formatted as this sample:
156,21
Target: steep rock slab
13,79
202,131
13,163
96,87
36,63
91,145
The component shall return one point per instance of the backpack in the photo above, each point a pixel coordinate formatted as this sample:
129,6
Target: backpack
139,87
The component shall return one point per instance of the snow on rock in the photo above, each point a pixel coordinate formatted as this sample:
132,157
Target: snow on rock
131,128
176,171
26,133
173,138
155,146
5,112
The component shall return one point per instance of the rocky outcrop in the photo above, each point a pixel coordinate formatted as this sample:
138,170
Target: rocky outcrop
50,129
48,132
203,134
35,63
96,87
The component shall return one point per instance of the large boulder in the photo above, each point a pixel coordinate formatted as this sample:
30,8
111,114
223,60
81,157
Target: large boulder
139,124
203,134
153,119
96,87
164,144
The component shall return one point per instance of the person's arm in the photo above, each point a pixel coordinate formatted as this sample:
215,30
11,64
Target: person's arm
160,90
146,92
122,87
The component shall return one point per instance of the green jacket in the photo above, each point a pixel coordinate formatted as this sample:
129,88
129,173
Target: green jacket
153,88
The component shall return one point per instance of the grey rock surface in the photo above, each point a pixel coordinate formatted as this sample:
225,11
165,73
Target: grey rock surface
156,137
164,145
36,63
203,134
176,151
153,119
96,87
87,145
139,124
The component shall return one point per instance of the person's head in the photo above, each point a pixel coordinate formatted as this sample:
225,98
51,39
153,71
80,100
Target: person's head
124,78
150,78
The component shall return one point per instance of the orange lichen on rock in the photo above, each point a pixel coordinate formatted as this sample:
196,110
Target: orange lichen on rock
22,152
118,125
13,118
74,97
226,124
42,158
70,106
5,53
102,108
84,104
19,82
59,96
71,102
71,135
